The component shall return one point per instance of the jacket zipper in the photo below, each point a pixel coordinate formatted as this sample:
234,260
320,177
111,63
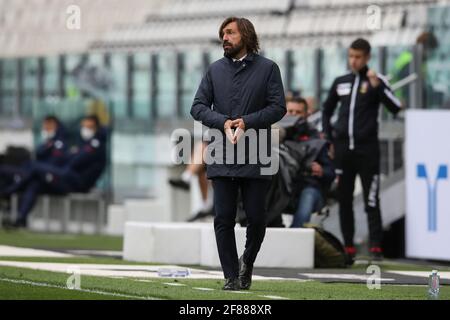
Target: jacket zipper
352,111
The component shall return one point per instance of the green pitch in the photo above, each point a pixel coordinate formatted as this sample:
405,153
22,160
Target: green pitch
22,283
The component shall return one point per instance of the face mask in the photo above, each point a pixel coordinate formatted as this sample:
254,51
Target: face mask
47,135
86,133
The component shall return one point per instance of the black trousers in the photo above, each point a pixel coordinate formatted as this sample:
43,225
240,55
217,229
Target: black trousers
225,205
365,162
42,178
8,175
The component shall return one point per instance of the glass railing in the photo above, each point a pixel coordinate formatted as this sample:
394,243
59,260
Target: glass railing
154,90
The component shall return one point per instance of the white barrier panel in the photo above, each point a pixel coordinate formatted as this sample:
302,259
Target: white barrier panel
195,243
146,210
138,242
289,248
116,220
427,154
172,243
177,244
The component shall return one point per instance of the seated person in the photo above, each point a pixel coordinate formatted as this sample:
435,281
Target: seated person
197,168
84,165
52,150
319,173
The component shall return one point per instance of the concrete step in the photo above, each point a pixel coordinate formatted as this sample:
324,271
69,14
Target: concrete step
195,243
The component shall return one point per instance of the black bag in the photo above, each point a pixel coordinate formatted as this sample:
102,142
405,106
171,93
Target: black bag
16,156
328,250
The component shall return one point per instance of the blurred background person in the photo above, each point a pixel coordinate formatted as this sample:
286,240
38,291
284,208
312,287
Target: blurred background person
52,150
316,178
355,140
197,168
83,166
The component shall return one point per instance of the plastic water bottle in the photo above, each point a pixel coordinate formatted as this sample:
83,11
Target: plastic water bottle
174,272
433,285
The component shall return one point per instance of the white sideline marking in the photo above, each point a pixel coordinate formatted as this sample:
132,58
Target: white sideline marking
101,253
424,274
140,280
9,251
126,271
275,297
174,284
49,285
360,277
203,289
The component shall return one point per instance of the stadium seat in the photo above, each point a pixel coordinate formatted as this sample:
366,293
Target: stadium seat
70,212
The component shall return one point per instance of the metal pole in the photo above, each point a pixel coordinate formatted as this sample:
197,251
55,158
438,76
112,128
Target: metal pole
154,84
179,84
130,85
416,89
289,69
318,57
19,87
1,86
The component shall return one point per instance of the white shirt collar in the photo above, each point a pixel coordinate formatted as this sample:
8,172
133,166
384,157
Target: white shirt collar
234,60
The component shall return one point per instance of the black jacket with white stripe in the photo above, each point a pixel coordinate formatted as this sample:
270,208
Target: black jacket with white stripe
357,121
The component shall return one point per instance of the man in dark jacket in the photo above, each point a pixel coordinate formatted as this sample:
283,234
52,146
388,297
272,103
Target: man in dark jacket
317,172
243,92
84,166
52,150
355,140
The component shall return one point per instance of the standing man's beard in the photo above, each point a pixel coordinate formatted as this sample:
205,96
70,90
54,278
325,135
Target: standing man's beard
231,52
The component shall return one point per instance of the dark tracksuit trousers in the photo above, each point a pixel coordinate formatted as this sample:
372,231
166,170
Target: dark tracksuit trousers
9,174
43,178
253,192
365,162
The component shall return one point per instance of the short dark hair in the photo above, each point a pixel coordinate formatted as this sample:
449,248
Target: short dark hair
94,118
247,31
298,99
51,118
361,44
428,40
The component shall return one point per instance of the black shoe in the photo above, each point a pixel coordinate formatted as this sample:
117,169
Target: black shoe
376,254
245,274
4,195
5,205
178,183
18,224
231,284
7,223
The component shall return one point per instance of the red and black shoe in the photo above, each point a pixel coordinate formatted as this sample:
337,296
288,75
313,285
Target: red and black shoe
376,253
351,254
